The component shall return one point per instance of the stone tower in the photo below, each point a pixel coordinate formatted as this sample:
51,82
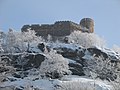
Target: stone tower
87,25
61,28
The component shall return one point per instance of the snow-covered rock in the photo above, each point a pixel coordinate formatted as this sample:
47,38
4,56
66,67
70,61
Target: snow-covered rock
83,83
25,60
75,54
66,83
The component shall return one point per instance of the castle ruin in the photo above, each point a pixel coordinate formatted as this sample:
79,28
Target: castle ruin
61,28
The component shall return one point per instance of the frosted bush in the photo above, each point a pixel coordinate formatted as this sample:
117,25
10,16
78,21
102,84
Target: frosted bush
21,41
54,66
99,67
116,49
49,38
5,68
115,84
10,40
86,40
30,38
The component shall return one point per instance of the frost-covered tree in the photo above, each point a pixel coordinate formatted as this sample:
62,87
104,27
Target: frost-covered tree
54,66
1,42
99,67
10,40
49,38
30,38
25,40
86,39
2,37
20,45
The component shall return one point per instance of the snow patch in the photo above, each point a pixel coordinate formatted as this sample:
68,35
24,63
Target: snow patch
70,82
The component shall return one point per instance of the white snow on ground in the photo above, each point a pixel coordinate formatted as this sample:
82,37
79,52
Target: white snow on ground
66,83
109,52
42,84
60,45
112,53
70,60
82,82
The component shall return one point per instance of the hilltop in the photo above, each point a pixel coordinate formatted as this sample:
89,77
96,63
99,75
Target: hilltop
31,62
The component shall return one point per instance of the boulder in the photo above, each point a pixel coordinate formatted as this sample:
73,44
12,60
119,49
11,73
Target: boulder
97,52
25,62
77,69
9,88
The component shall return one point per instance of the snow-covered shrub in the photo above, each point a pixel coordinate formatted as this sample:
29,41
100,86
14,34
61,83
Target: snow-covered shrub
98,67
1,48
54,66
10,41
21,41
2,37
5,69
49,38
86,40
115,84
30,39
20,45
116,49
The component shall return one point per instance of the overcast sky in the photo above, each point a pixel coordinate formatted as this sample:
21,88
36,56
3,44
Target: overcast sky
106,14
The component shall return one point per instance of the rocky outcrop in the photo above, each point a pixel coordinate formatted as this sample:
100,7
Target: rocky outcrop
25,62
77,60
77,69
74,54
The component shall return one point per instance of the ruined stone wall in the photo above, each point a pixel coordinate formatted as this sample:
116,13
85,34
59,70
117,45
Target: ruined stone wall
61,28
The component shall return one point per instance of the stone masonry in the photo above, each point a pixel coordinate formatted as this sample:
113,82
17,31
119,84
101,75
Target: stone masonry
61,28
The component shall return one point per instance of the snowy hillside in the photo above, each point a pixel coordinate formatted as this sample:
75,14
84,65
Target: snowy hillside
29,62
66,83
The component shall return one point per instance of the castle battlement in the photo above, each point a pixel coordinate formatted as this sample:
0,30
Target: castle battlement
61,28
